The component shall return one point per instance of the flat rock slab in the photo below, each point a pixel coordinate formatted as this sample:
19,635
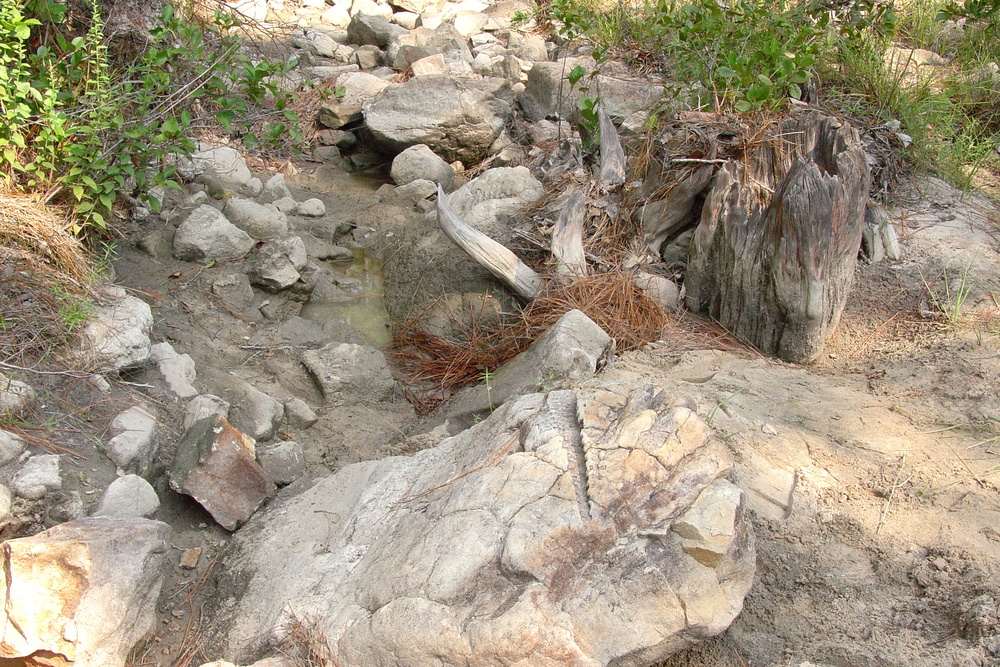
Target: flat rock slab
350,371
215,465
81,593
588,527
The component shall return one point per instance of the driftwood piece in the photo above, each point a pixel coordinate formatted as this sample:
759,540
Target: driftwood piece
567,237
497,259
663,218
612,155
776,269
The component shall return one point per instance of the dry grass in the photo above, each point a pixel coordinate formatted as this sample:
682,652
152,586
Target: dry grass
434,366
305,644
42,235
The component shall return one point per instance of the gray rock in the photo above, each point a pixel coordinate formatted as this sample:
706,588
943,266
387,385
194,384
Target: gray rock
299,414
659,288
286,205
6,502
283,462
207,236
15,396
234,290
457,118
350,372
223,163
37,477
411,46
85,589
491,200
251,189
257,220
429,66
206,405
128,496
132,444
526,536
312,208
316,42
276,264
11,447
358,88
178,370
252,411
570,351
369,56
532,48
215,465
375,30
274,189
118,336
420,162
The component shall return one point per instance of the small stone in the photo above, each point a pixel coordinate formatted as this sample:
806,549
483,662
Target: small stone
429,66
252,188
15,396
368,56
358,372
38,476
274,189
207,236
286,205
276,264
190,558
420,162
406,20
11,447
769,429
132,443
299,414
284,462
206,405
6,501
128,496
257,220
178,370
312,208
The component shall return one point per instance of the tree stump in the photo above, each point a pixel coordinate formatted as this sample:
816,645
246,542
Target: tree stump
774,253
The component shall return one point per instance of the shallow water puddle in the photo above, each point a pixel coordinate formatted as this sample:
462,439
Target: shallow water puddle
362,306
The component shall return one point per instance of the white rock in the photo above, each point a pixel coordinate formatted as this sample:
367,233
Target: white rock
6,501
11,447
224,163
39,475
312,208
207,236
257,220
15,395
132,443
351,372
118,336
178,370
128,496
206,405
420,162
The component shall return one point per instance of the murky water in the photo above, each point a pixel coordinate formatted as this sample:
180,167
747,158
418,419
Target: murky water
362,306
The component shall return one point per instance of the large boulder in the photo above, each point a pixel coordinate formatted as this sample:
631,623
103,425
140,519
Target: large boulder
588,527
456,118
82,593
357,88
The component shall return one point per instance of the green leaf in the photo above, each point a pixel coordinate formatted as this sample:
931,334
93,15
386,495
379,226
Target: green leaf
794,91
726,72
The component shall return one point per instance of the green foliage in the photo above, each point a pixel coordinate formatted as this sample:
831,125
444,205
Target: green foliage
77,126
972,10
74,311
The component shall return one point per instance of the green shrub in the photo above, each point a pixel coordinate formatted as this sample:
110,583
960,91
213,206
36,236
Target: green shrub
86,130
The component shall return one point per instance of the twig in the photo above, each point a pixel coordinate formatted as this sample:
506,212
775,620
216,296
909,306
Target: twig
892,491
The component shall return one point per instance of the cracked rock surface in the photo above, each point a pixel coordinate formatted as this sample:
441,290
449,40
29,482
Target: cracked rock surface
586,527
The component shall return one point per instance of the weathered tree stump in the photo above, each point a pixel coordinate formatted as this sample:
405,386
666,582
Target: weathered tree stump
773,256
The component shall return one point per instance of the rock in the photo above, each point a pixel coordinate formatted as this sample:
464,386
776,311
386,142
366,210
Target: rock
374,30
338,16
132,443
178,370
316,42
6,501
118,336
206,405
252,411
15,396
283,462
65,506
420,162
207,236
359,87
190,557
468,22
351,372
544,534
423,42
223,163
299,414
286,205
570,351
368,56
532,48
11,447
82,593
429,66
234,290
276,264
489,201
274,189
128,496
38,476
257,220
312,208
457,118
215,465
406,20
662,290
253,188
